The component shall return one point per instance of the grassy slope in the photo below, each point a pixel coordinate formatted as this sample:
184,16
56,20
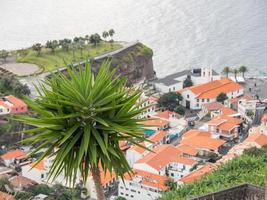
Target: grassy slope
50,61
249,168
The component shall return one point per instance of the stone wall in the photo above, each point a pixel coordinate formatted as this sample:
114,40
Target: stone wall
241,192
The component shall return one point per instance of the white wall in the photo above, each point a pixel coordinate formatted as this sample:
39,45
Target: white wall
132,156
145,167
38,176
133,191
171,88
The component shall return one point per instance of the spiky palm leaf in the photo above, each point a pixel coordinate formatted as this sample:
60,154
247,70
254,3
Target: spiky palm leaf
82,118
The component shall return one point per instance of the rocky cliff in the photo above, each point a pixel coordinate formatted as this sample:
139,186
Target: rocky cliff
134,61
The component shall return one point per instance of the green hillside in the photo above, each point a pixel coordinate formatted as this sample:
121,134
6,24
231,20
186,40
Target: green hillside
251,167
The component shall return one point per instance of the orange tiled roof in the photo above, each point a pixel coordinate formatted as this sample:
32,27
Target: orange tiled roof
21,181
158,136
187,150
234,100
5,196
15,101
225,122
212,106
40,166
264,118
138,148
227,111
156,122
203,142
163,155
258,138
149,179
123,145
166,114
195,132
13,154
214,88
197,174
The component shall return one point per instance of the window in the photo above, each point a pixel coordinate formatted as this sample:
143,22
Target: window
173,88
172,174
127,195
133,190
208,100
1,110
197,100
42,175
138,192
121,187
131,196
188,96
127,189
122,193
203,100
197,105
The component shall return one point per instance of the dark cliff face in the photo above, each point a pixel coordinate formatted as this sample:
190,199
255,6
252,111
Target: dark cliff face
135,62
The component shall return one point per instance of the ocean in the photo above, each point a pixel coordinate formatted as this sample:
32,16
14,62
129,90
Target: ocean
182,33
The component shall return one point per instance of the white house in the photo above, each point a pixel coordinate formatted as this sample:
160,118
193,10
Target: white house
150,105
195,96
134,153
175,81
165,160
37,173
142,185
11,156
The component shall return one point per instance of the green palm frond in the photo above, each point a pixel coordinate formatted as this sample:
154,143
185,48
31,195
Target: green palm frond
82,118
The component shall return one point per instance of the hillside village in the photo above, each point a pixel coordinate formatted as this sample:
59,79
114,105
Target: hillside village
183,147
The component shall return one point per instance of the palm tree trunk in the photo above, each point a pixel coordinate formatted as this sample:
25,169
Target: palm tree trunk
97,181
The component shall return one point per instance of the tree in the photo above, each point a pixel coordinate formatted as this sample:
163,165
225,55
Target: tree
81,46
111,32
95,39
221,97
243,69
41,189
65,44
3,182
120,198
52,45
226,71
4,55
236,71
187,82
23,195
170,100
180,110
37,47
81,120
105,34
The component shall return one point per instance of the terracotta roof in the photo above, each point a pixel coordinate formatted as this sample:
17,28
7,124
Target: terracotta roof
212,106
258,138
166,114
264,118
225,122
40,166
138,148
14,154
5,196
21,181
155,122
15,101
2,103
123,145
234,100
197,174
149,179
158,136
201,142
187,150
153,99
214,88
107,177
195,132
227,111
163,155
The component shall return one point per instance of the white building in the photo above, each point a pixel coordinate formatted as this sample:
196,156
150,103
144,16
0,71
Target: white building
175,81
165,160
150,105
142,185
10,157
195,96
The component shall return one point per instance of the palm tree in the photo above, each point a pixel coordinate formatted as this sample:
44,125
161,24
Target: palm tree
111,32
226,71
105,34
81,118
235,71
243,69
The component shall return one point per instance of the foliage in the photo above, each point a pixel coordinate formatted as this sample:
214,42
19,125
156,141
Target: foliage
120,198
243,69
68,53
3,181
37,47
95,39
23,195
235,71
226,71
180,110
221,97
82,119
52,45
4,54
41,189
170,100
187,82
10,85
105,34
248,168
